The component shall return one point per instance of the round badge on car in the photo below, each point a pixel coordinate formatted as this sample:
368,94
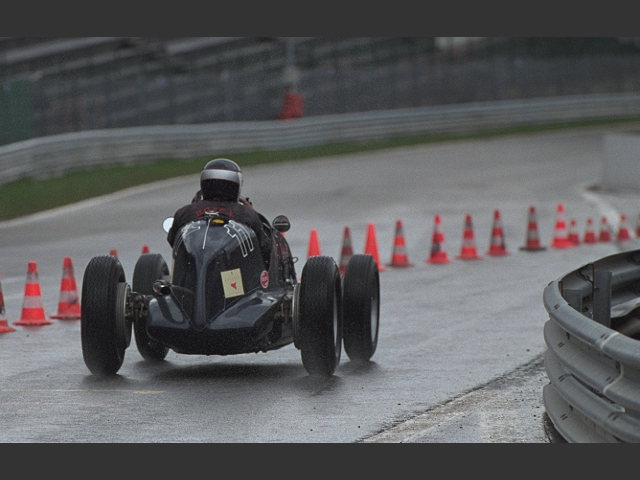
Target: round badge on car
264,279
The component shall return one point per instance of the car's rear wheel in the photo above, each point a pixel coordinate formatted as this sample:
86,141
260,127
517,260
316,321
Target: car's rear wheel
105,326
149,268
361,307
319,315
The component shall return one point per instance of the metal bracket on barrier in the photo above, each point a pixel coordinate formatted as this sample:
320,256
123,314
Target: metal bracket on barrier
602,296
573,298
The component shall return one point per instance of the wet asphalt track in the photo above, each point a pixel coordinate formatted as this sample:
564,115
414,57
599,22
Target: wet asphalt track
459,355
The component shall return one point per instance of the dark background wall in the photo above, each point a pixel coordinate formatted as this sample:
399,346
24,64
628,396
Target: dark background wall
57,85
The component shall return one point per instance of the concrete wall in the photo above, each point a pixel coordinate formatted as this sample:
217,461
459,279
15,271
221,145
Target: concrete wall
621,161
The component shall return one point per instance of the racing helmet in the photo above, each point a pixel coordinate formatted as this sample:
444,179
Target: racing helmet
221,179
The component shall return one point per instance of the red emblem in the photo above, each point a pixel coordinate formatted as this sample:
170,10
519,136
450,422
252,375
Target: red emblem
264,279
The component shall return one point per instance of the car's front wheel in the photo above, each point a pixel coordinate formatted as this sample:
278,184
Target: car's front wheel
319,315
105,326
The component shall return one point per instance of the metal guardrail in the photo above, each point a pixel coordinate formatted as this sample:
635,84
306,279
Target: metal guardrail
593,351
56,154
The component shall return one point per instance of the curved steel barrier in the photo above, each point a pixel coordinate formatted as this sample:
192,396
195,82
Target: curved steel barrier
593,351
56,154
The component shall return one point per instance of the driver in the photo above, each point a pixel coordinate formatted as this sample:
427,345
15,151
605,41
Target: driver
220,183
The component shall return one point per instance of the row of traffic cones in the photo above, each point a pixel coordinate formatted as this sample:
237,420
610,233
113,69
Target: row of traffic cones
569,237
468,250
33,313
564,237
399,256
346,252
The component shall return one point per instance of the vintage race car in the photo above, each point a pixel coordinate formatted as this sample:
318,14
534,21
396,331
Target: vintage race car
221,297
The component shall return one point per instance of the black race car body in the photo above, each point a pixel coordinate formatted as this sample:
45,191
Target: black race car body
224,296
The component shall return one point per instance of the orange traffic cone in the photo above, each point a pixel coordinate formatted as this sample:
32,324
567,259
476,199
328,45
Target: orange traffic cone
113,252
468,251
497,246
145,249
4,324
623,234
69,303
532,240
574,238
605,231
32,309
561,235
371,245
399,257
346,252
437,254
314,244
589,233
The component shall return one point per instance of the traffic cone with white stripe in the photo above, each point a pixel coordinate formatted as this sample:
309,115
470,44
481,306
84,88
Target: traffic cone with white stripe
69,302
4,323
561,234
437,255
589,232
623,234
346,252
497,246
399,256
532,240
574,238
32,310
371,245
605,231
468,251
